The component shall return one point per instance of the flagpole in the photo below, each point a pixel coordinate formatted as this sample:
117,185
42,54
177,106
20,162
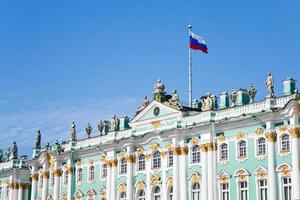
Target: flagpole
190,70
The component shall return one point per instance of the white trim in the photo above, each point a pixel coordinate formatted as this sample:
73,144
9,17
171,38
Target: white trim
260,156
237,150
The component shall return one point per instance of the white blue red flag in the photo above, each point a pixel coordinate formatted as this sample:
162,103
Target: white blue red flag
197,43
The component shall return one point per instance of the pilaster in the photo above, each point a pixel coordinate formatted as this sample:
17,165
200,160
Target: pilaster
204,171
34,179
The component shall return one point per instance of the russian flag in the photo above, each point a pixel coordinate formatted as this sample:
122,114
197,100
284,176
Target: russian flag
197,43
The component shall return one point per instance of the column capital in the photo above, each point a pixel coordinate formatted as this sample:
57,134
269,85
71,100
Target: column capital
57,172
294,132
112,163
130,158
34,176
203,147
271,136
46,174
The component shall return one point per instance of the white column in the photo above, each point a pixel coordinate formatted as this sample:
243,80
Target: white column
183,151
26,191
113,179
34,178
45,180
148,169
271,137
57,175
21,187
164,164
204,172
210,178
176,177
11,187
108,181
130,162
70,178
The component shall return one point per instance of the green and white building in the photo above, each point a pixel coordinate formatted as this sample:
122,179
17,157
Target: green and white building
234,148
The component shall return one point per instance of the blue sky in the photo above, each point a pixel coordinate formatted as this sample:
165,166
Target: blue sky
82,61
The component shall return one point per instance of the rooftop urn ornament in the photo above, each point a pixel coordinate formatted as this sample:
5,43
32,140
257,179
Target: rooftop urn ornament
159,87
15,151
7,154
174,101
88,130
233,96
38,140
1,155
208,102
101,127
270,85
252,93
73,132
114,123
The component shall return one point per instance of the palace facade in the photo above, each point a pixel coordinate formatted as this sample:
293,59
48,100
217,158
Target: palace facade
230,148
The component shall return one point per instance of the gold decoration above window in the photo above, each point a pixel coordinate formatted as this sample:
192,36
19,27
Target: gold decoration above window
259,132
65,197
148,156
170,181
224,178
139,150
194,141
282,128
294,132
130,159
78,163
102,193
170,145
155,180
103,158
203,147
155,146
285,170
122,154
261,175
91,162
241,175
240,135
122,187
195,178
222,138
155,124
140,185
271,136
163,154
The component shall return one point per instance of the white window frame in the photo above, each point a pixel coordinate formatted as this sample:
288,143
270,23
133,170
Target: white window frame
91,173
139,197
123,166
104,170
123,198
65,177
170,158
239,190
224,191
170,193
52,180
156,194
195,156
220,151
289,184
156,161
259,188
41,181
238,157
141,164
79,175
198,191
281,143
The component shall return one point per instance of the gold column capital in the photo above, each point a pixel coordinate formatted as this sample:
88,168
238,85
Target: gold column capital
46,174
294,132
57,172
34,176
130,158
271,136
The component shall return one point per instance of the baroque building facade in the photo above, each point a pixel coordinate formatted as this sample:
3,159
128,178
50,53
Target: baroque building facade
210,151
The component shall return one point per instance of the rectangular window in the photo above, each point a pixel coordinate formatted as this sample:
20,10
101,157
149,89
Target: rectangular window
224,191
170,159
104,171
243,190
262,190
287,188
66,177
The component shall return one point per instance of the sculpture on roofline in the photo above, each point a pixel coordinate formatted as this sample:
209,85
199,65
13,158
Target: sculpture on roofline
208,102
1,155
114,123
15,151
174,101
101,127
270,85
7,154
88,130
252,93
58,147
38,140
73,132
233,96
144,105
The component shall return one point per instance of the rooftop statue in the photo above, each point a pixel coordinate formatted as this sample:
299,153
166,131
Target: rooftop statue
174,101
270,85
208,102
38,140
88,130
252,93
73,132
159,87
58,147
1,155
47,146
7,154
15,151
233,96
101,127
144,105
114,123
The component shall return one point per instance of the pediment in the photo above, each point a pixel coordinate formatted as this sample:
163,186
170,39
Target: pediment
155,110
78,193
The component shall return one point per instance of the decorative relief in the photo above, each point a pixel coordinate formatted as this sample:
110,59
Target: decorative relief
203,148
139,150
224,178
210,146
259,132
91,162
69,169
240,135
261,175
148,156
163,154
90,194
261,157
103,158
122,187
130,159
112,163
155,146
170,145
122,154
241,175
46,174
285,170
194,141
155,180
222,138
140,185
195,178
223,162
170,181
57,172
294,132
183,150
34,176
282,128
155,124
242,158
271,136
102,193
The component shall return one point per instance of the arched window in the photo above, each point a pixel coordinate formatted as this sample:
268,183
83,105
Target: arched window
91,173
156,160
104,171
7,192
196,191
41,181
170,195
224,151
261,146
285,142
156,193
170,158
52,179
123,196
79,175
141,162
242,150
196,154
66,177
123,166
141,195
